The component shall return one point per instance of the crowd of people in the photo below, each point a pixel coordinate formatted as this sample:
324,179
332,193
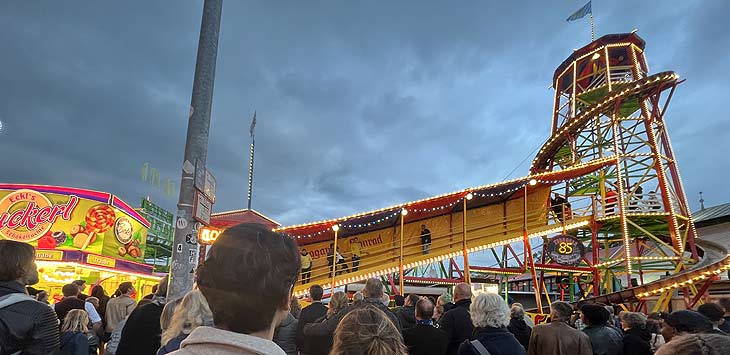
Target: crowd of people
243,303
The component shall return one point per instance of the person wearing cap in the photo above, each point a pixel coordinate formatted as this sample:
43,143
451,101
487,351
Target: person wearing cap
685,322
715,313
605,339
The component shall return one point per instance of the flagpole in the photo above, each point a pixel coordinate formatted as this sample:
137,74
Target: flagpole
250,165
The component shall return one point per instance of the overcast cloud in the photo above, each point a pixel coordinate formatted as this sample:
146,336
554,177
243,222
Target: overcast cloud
360,104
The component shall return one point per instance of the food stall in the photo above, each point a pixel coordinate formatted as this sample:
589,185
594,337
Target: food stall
78,234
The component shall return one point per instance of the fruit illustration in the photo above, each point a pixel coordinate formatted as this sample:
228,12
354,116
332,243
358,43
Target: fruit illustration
59,237
100,219
46,242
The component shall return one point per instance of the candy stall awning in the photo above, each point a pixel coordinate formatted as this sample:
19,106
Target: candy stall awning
434,206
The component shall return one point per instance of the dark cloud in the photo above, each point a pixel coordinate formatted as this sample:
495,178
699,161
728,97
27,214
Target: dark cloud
360,105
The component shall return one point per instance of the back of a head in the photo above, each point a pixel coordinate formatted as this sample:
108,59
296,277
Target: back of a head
412,299
713,311
161,290
70,290
125,287
98,291
424,309
561,311
385,299
16,259
167,313
725,303
489,310
358,296
143,302
611,311
93,300
249,276
696,344
634,319
337,303
79,283
316,292
192,312
462,291
373,288
76,321
595,314
686,321
367,331
399,300
517,312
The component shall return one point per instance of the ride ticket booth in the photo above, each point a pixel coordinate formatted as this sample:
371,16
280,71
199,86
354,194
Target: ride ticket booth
78,234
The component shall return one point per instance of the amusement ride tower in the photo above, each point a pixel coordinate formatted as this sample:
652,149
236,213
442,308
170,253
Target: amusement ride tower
608,106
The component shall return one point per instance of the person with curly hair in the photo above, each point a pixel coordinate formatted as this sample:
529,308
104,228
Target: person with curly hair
490,316
367,331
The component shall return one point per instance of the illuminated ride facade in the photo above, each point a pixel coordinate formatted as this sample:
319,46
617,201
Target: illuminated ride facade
602,216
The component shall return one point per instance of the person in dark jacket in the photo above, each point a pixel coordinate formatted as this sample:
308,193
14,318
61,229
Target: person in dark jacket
424,338
725,304
286,334
685,322
605,339
26,325
315,311
76,339
490,316
373,293
714,313
518,327
457,322
636,335
407,313
319,336
142,330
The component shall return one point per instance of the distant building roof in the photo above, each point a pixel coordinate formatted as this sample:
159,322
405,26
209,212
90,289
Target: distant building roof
231,218
712,215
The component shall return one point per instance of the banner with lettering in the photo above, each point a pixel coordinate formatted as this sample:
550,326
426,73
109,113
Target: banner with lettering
59,218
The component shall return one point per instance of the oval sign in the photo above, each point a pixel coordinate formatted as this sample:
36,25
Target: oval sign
565,250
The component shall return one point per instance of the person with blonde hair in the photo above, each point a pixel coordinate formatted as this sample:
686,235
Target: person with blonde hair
696,344
367,331
75,336
337,303
490,317
166,316
296,308
190,313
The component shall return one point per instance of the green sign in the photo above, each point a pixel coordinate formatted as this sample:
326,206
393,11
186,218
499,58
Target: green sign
160,220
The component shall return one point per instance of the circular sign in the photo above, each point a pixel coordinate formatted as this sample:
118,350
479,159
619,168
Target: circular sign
565,250
123,230
25,215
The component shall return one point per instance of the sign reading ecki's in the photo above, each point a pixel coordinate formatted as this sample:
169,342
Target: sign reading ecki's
26,215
